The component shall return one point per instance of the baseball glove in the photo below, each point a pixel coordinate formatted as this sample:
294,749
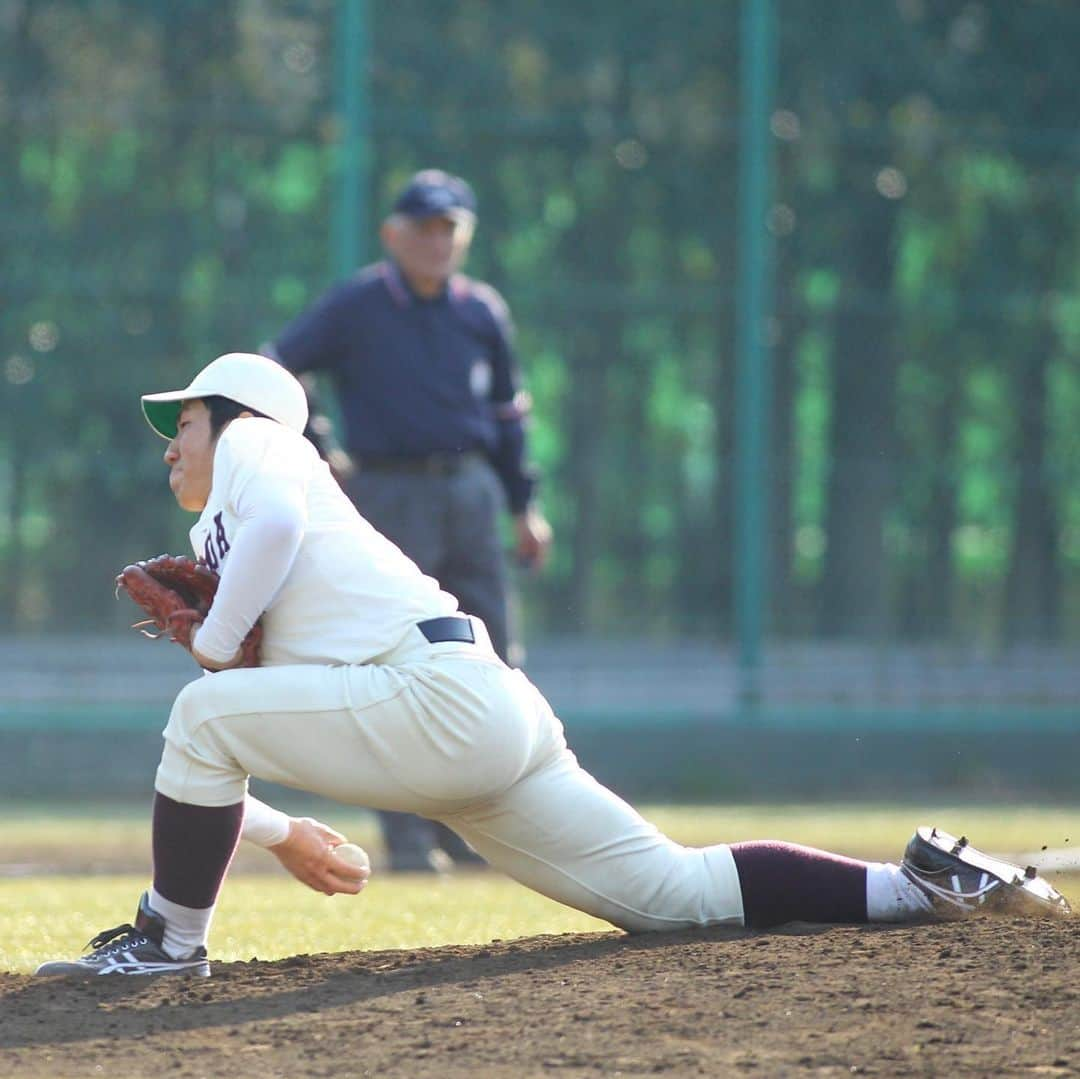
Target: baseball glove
176,593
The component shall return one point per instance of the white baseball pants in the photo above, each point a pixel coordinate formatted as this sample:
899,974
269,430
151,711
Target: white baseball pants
447,731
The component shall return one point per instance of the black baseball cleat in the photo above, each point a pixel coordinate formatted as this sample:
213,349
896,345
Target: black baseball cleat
129,949
960,880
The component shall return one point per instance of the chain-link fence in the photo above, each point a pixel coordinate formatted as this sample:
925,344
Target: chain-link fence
172,189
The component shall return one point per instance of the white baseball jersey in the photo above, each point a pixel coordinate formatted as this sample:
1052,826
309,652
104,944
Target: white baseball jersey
290,546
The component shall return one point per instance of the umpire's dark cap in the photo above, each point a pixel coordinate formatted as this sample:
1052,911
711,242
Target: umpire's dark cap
434,193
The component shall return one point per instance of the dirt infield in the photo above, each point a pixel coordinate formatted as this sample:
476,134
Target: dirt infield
983,997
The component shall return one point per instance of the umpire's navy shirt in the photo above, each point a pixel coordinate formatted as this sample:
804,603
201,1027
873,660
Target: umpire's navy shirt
414,376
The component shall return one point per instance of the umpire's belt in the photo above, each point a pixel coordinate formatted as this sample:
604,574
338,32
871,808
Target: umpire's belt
450,628
432,464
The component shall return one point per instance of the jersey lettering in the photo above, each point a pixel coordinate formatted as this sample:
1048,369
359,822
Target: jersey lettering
209,555
216,546
219,535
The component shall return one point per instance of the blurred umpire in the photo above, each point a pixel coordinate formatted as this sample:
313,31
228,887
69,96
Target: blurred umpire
432,410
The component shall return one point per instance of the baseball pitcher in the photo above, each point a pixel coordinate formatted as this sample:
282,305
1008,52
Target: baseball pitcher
374,689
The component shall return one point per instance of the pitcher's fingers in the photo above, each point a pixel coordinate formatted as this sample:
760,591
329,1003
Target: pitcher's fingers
347,878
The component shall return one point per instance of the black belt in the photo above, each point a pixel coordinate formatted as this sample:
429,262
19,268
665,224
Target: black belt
450,628
432,464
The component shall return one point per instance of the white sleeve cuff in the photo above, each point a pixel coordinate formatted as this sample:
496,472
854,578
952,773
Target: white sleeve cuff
264,825
207,649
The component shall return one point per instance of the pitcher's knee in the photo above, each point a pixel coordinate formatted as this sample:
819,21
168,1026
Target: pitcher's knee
195,705
196,766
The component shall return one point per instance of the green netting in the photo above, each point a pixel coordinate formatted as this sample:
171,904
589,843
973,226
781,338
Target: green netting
170,189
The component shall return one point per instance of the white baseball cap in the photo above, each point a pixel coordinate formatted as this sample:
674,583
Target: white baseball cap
244,377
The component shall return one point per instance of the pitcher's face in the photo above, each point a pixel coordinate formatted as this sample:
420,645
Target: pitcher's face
190,457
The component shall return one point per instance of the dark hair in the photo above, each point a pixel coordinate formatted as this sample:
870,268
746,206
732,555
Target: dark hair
223,409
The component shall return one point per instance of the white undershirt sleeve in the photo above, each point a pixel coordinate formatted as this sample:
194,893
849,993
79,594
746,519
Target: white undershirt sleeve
264,825
272,514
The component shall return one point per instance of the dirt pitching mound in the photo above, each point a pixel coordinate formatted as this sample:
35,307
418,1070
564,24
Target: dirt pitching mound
982,997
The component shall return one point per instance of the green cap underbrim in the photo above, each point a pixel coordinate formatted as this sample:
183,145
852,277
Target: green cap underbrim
162,416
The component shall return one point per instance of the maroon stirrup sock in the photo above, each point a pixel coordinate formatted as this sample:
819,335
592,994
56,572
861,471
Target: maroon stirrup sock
193,846
785,882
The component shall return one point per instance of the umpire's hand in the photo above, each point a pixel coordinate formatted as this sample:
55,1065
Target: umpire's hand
532,535
308,854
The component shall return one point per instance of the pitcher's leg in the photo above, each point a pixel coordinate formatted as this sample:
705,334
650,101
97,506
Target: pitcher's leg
563,834
193,846
320,729
427,738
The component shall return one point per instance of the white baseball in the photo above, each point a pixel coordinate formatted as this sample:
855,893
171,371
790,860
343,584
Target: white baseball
353,854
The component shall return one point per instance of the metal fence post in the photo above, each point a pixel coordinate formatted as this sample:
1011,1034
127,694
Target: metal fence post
349,224
753,382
